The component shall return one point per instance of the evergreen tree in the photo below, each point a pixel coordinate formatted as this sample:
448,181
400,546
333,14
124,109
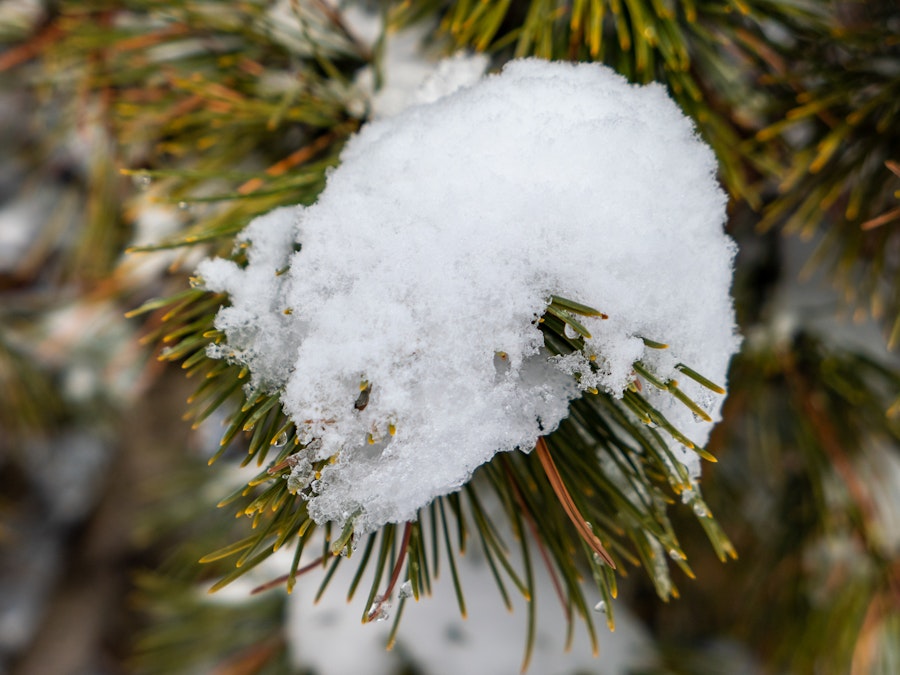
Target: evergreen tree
157,131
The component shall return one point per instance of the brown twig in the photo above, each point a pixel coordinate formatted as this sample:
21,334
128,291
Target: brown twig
297,157
284,577
252,659
556,481
395,575
143,41
883,219
27,51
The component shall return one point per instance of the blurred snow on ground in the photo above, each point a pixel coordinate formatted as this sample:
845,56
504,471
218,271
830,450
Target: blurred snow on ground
63,480
811,303
330,639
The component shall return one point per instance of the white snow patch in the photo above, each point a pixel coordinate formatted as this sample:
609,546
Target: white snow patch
18,17
19,223
407,73
409,78
437,243
879,469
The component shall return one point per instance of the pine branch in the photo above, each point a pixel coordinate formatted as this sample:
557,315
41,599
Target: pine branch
840,183
621,482
816,469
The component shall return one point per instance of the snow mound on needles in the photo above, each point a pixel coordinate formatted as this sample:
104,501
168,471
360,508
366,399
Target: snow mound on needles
397,316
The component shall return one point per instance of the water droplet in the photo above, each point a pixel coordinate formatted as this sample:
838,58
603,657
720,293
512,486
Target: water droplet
674,555
282,440
381,610
406,590
142,180
700,510
600,606
183,205
300,475
570,332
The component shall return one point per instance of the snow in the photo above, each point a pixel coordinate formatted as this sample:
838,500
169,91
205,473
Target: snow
422,268
17,230
408,78
403,75
879,470
18,17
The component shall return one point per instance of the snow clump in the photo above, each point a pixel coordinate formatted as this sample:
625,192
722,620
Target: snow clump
397,316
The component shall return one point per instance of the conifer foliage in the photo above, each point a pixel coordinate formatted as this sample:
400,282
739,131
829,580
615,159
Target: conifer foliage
179,123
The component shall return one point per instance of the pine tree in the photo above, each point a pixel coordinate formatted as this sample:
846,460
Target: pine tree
189,119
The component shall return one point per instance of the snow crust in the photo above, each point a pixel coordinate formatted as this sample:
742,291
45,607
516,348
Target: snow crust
396,317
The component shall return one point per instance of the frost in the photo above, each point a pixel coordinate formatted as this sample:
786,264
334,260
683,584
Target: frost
301,474
420,272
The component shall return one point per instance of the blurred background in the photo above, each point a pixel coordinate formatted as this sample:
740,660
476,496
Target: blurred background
138,136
